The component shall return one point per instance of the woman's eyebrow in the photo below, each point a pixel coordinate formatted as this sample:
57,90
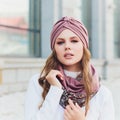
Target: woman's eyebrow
74,37
60,38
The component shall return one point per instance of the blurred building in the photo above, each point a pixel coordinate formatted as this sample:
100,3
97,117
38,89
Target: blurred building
25,31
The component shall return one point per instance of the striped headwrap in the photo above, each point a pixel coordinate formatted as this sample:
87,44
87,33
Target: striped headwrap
74,25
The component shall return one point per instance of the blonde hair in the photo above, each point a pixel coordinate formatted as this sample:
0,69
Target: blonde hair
52,63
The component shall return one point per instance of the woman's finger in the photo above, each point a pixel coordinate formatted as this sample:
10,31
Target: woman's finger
73,107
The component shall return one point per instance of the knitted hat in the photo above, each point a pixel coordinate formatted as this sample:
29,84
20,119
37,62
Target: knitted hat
69,23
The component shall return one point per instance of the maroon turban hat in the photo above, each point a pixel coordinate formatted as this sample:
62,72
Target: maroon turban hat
74,25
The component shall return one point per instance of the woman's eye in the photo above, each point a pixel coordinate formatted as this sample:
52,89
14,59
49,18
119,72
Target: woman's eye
74,41
59,43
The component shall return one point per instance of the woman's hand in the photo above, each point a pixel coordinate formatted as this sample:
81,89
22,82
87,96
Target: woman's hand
52,78
73,112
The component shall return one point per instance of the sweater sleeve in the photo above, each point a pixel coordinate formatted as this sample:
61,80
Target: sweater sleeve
107,108
34,98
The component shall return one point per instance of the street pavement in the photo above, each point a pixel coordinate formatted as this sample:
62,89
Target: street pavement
12,105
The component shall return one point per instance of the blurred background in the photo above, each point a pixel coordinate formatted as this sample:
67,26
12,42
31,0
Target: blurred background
25,27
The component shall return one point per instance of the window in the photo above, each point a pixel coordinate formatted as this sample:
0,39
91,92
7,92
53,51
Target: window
19,27
117,28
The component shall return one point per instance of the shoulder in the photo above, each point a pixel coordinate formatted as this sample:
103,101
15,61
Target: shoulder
34,83
104,91
103,95
102,104
34,79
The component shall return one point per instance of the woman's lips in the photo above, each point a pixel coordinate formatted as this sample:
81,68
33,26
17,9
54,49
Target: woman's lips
68,55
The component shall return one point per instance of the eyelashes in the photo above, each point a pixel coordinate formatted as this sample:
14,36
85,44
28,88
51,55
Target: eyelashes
74,41
62,42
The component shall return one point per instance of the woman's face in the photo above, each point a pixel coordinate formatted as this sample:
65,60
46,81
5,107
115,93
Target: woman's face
69,50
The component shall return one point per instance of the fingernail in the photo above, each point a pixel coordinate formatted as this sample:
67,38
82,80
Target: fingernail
69,100
61,78
77,105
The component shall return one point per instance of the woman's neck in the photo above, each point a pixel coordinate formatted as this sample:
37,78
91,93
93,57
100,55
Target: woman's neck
71,74
73,68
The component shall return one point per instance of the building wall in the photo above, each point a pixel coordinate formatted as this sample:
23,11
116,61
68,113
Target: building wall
15,73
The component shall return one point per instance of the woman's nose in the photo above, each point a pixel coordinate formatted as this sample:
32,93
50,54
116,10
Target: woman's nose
67,46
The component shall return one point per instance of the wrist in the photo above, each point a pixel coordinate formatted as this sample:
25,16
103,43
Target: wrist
59,85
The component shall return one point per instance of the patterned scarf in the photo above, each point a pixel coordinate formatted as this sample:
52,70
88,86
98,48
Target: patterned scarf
74,88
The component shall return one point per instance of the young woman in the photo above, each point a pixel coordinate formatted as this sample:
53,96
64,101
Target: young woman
68,87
